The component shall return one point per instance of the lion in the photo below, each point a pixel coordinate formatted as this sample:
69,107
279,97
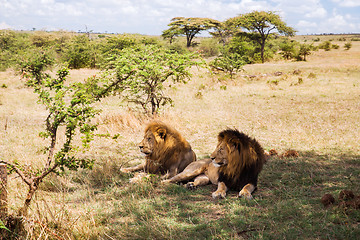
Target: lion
167,152
235,164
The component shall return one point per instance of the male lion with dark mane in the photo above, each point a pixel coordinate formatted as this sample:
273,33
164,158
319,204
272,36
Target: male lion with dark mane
235,164
167,152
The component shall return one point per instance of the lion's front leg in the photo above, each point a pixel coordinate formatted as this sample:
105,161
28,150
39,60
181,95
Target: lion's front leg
221,191
246,191
133,169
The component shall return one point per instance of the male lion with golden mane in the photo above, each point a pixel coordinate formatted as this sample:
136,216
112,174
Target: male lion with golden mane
167,152
235,164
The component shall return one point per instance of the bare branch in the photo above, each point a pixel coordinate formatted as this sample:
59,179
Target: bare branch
19,172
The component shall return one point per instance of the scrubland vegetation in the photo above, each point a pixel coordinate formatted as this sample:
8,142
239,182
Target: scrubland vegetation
310,106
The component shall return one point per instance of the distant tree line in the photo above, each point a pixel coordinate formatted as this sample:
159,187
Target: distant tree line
244,39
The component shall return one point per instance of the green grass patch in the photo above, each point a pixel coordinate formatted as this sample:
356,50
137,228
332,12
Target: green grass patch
286,205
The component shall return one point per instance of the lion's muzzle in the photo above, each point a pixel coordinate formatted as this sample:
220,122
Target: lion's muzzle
145,151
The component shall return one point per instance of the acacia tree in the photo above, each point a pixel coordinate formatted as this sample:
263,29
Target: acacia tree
261,25
171,34
189,27
148,67
223,31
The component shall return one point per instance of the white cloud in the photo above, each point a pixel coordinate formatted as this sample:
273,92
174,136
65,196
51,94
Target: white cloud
338,23
317,13
152,16
306,24
348,3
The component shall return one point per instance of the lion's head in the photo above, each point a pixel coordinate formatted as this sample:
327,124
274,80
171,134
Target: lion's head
152,138
159,138
237,156
165,147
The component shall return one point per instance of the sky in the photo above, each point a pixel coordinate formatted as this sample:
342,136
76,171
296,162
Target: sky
151,17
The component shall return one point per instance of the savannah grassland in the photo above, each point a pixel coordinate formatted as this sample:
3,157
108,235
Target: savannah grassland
312,107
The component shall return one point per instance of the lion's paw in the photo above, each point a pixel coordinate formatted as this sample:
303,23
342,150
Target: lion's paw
190,185
246,194
125,170
218,194
166,181
139,177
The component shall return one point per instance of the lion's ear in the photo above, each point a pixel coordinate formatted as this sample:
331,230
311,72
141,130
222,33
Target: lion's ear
161,132
235,144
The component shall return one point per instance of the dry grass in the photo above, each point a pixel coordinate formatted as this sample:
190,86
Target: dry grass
312,106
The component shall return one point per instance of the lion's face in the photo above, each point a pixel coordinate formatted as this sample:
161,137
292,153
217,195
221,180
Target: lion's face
152,141
220,155
147,145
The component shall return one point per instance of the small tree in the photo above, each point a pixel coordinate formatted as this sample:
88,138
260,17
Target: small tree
287,49
230,63
80,52
34,62
171,34
189,27
261,24
70,106
149,67
305,50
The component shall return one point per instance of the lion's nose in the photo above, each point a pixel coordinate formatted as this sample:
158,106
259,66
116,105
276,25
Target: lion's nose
141,147
212,158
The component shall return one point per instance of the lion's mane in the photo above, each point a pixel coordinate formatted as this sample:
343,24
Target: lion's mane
244,164
169,149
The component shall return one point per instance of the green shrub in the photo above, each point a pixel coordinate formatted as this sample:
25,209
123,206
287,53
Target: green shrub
228,62
12,44
35,62
325,45
177,47
42,39
209,47
117,43
347,45
80,53
243,47
335,46
288,50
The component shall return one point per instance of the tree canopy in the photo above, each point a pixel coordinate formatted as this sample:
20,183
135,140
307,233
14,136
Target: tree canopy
224,31
143,70
261,24
189,27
